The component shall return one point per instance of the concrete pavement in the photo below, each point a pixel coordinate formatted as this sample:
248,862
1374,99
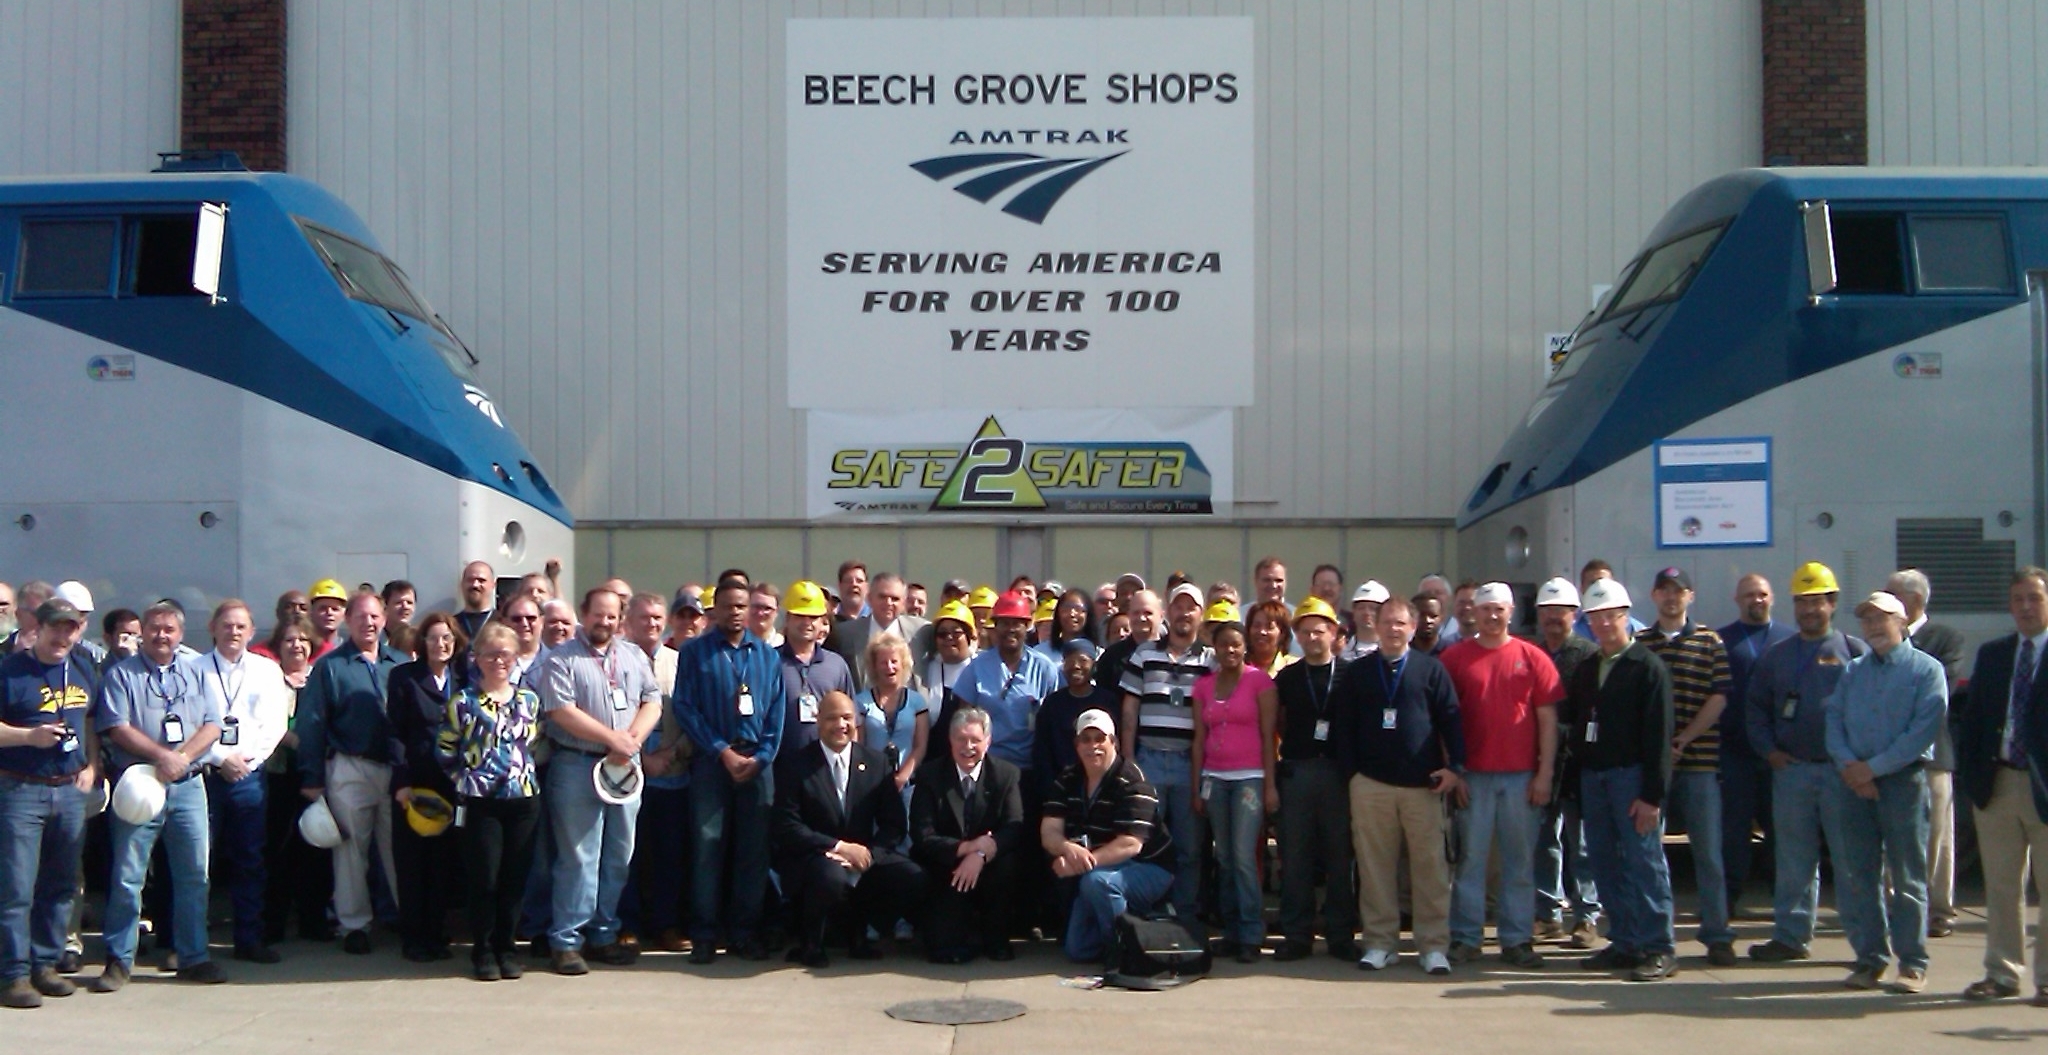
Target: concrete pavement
320,1000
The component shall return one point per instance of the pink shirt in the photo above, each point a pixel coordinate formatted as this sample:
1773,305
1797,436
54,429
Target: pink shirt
1230,726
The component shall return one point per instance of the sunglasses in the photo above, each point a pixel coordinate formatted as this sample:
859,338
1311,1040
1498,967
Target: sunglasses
522,619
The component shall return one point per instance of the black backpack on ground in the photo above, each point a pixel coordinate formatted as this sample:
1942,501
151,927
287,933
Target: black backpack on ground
1153,954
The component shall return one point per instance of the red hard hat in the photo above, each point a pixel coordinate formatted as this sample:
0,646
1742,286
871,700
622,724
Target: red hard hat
1012,605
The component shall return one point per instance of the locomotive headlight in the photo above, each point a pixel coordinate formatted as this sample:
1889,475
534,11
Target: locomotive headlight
512,544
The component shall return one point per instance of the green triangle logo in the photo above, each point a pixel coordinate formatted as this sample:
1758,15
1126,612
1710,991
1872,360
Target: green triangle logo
991,476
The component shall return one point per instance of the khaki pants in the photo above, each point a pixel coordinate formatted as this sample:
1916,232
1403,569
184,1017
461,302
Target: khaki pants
2008,833
1941,845
359,795
1384,820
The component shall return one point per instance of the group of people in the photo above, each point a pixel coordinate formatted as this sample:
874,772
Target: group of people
734,766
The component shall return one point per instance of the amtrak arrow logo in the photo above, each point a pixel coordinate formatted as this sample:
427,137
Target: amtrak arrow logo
1044,179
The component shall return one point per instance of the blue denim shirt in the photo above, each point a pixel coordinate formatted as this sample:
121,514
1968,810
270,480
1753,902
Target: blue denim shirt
1011,698
1884,710
137,692
1798,676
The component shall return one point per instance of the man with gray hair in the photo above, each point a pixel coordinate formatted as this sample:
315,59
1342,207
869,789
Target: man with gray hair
887,598
1945,644
157,709
966,830
28,598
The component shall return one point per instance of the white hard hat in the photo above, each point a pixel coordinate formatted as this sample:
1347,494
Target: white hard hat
317,825
1605,594
139,797
74,591
1558,591
617,785
1371,591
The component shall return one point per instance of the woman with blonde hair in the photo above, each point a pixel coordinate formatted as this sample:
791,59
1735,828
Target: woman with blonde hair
895,719
486,748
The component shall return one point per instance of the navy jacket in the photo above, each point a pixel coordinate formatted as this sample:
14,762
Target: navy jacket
1982,723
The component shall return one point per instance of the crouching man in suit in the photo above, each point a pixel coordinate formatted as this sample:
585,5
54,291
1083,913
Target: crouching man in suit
837,816
966,828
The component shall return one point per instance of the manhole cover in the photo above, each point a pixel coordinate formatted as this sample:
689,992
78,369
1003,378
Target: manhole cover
964,1011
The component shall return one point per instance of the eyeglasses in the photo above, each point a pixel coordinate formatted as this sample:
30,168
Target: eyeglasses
763,607
495,656
952,632
522,619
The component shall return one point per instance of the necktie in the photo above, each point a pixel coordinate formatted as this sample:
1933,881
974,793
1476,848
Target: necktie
2016,707
839,778
967,799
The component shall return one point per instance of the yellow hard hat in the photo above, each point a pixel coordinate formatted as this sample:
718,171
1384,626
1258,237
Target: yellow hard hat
957,612
1045,609
709,597
1316,607
1222,611
428,813
1813,577
982,597
804,598
330,589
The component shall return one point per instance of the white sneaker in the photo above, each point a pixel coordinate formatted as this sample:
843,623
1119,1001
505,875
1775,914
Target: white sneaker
1377,959
1436,963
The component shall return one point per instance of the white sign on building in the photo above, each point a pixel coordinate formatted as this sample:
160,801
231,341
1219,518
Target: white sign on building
1032,212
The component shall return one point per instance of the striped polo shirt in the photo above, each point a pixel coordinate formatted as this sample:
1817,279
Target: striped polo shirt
1164,685
1699,669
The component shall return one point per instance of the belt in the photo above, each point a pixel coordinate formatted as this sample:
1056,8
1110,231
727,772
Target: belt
578,751
2021,766
48,782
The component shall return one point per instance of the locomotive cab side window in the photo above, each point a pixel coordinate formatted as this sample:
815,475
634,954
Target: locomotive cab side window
67,258
1870,255
1961,254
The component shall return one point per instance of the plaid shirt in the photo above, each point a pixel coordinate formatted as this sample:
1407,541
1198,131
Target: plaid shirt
1699,669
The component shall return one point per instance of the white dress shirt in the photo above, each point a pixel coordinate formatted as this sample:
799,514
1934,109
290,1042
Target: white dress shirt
253,693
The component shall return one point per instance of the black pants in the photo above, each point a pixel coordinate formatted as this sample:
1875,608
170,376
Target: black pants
427,871
300,875
976,920
496,840
1315,843
821,891
661,863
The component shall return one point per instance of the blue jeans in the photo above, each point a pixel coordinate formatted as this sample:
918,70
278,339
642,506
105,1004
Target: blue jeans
1635,880
42,833
1105,893
239,811
1564,877
1873,838
1798,820
1696,797
728,818
1499,811
183,823
1237,816
593,854
1167,771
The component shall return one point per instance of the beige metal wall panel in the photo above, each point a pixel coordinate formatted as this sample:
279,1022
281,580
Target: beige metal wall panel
593,194
1958,82
87,87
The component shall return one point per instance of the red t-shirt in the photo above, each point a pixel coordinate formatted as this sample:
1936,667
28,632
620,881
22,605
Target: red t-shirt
1499,690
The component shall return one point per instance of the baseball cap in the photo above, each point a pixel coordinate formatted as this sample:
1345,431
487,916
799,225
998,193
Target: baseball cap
1136,580
1094,718
1494,593
1558,591
1188,590
74,591
1882,601
1371,591
1081,645
955,587
1605,594
58,610
1672,577
690,599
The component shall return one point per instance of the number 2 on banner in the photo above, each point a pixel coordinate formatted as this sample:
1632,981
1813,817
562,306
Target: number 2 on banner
1012,452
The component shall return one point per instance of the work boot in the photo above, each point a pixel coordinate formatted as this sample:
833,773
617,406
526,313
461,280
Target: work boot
19,993
49,983
112,977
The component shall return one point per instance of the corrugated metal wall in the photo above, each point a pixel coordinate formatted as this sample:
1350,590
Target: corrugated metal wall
88,87
592,193
1958,82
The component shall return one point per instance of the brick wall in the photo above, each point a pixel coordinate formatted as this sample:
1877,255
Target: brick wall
1816,83
233,79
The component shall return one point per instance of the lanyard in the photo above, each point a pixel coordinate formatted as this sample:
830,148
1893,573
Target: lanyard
230,694
607,662
1320,701
153,676
1400,669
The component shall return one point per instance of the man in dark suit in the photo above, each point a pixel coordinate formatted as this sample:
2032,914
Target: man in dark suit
2002,765
967,828
838,817
1945,644
886,597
